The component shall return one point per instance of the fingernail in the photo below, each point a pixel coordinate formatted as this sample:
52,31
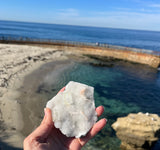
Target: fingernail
102,106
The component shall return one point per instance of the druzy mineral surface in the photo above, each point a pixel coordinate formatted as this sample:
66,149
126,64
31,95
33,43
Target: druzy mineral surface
73,110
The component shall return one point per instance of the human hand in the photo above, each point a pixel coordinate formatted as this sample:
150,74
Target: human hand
47,137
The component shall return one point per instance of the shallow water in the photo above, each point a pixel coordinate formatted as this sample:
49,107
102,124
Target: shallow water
121,89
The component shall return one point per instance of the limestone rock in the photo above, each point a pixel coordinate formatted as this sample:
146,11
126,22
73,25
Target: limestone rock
138,131
73,110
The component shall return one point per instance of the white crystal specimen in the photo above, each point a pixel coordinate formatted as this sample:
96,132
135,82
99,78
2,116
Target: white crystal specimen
73,110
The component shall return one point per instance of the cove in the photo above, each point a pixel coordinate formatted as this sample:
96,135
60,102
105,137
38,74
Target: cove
122,88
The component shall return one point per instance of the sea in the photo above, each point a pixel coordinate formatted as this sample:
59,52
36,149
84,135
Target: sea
121,37
122,88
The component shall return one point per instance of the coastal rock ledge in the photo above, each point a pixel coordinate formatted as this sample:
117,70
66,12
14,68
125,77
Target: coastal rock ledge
138,131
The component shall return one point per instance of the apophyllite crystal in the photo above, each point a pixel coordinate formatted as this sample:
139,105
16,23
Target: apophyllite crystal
73,110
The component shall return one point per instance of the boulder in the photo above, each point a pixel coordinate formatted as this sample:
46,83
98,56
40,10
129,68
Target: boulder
138,131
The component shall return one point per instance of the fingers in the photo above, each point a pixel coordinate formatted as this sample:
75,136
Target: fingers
47,117
44,129
99,110
95,129
44,118
62,90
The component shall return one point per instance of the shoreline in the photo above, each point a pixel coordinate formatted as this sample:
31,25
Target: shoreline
18,61
135,55
33,94
19,66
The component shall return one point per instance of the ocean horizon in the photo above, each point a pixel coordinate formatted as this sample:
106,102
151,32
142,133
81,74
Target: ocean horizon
142,39
78,25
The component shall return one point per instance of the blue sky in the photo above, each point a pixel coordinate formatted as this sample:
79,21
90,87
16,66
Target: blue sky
129,14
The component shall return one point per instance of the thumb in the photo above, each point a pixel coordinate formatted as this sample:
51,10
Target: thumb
44,129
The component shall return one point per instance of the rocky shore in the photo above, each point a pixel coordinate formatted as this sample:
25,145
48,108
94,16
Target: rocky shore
138,131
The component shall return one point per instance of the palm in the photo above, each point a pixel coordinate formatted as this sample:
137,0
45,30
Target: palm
59,141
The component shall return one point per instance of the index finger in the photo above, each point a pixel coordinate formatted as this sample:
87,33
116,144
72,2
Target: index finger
99,110
61,90
94,130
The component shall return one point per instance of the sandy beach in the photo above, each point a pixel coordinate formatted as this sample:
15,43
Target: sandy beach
17,62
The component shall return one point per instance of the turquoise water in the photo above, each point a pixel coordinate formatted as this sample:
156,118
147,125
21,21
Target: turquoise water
121,89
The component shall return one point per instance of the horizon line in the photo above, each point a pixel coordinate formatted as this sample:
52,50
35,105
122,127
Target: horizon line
81,25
